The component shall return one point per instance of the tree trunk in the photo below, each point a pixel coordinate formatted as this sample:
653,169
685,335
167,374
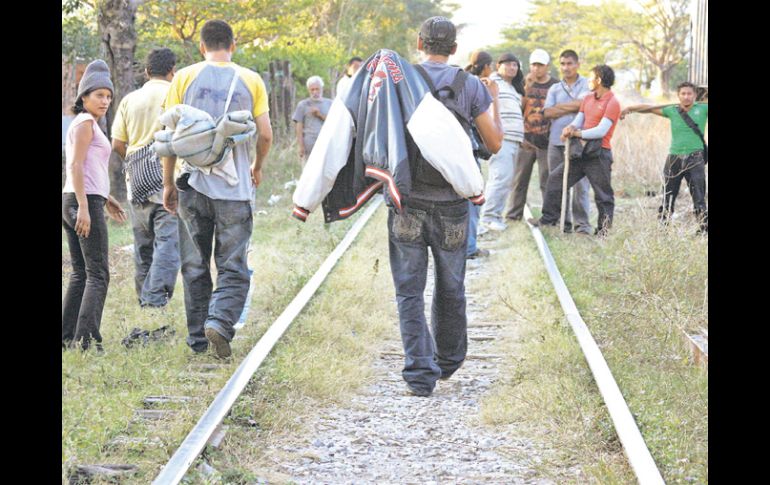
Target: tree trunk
664,78
116,20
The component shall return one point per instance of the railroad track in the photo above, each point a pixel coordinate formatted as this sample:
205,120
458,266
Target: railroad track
208,429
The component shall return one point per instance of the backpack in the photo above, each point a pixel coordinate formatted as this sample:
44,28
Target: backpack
422,170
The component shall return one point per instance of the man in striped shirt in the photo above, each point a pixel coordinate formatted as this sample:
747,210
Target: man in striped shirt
502,164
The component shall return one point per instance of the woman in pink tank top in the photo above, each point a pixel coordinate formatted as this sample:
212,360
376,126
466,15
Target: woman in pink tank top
85,196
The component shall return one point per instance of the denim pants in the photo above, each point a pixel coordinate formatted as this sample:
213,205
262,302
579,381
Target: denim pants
81,313
156,252
226,225
440,226
474,214
580,208
501,169
692,168
599,172
528,154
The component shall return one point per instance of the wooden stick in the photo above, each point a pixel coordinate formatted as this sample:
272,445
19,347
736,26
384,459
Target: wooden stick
564,191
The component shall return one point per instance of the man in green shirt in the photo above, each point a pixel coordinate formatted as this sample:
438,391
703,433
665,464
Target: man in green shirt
686,157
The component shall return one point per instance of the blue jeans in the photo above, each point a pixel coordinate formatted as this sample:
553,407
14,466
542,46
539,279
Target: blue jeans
229,224
500,182
83,304
440,226
156,252
474,213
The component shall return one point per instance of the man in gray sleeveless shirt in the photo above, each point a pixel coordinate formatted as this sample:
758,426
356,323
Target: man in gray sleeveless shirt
211,207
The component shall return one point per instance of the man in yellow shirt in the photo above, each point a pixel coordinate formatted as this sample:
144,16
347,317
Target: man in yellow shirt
210,208
156,232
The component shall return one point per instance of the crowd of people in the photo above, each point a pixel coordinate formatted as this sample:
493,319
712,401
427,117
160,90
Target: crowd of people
213,116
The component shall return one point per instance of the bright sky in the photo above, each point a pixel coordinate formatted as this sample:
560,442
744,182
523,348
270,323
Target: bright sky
485,20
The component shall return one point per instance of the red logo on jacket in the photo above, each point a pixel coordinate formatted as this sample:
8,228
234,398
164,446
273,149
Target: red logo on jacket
380,67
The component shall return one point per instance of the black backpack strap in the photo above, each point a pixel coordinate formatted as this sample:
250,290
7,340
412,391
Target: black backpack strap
693,126
457,84
427,78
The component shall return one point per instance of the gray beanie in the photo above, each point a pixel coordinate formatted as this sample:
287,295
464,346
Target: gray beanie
96,76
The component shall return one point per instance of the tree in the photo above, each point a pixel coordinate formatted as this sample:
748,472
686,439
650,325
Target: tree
118,35
660,35
556,25
609,33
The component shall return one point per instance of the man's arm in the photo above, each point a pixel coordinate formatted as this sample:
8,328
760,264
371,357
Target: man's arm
561,109
317,113
170,195
264,141
119,147
644,108
490,125
299,127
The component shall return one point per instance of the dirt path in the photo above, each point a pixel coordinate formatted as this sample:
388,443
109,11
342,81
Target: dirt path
385,435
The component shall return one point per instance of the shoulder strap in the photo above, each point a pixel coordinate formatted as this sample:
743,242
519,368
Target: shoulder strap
232,88
457,84
427,78
563,86
691,123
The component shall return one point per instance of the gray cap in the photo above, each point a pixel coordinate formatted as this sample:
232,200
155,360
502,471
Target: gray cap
438,30
96,76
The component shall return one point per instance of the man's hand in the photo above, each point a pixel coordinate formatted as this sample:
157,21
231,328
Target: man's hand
170,198
256,175
316,112
115,211
567,132
492,87
625,112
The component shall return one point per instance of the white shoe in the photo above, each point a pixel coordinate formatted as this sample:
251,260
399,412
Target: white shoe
496,226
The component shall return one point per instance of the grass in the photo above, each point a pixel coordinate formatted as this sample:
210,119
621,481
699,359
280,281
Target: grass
637,290
100,392
323,358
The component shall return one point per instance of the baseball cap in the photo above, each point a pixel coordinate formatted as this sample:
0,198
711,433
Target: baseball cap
438,30
507,57
539,56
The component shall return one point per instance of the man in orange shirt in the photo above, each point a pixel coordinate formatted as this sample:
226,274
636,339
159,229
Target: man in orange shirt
596,120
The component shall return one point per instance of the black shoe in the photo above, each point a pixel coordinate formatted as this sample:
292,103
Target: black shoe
478,253
417,391
221,345
534,222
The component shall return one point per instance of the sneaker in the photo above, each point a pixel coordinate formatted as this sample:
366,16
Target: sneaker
417,391
478,253
221,345
496,226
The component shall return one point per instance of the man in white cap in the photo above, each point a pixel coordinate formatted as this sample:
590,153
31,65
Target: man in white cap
536,132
